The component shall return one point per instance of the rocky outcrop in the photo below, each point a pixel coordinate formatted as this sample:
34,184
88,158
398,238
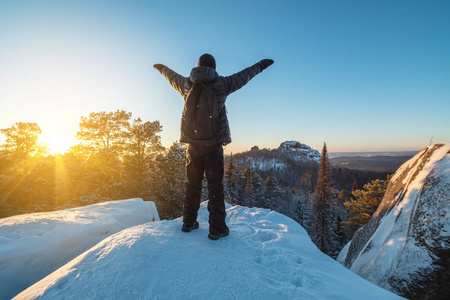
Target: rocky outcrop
299,150
405,247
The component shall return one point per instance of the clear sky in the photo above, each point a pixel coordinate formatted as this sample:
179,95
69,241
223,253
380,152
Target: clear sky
360,75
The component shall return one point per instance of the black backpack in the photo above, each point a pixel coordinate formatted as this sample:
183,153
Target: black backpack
200,121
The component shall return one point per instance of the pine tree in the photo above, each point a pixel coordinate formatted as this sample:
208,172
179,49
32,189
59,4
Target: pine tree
273,194
288,203
256,190
240,183
303,200
20,173
168,182
143,144
230,182
342,197
355,185
363,205
102,138
324,215
104,131
22,141
247,193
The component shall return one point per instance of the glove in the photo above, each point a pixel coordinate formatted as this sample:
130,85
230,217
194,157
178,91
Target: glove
158,67
265,63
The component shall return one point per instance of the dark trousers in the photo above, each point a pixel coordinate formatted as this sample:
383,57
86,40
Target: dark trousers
205,159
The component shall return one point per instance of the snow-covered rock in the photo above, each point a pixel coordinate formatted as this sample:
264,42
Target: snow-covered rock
34,245
266,256
405,247
299,150
277,159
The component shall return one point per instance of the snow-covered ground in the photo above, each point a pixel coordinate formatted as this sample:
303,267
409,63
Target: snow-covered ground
266,256
34,245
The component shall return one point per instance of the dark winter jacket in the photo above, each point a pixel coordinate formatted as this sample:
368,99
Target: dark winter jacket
223,86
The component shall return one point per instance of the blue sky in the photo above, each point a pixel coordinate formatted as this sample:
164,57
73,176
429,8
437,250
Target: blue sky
360,75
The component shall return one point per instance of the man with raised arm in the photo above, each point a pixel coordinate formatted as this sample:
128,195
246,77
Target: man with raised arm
205,128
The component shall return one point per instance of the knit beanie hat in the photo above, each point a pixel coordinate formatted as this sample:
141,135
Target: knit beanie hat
207,60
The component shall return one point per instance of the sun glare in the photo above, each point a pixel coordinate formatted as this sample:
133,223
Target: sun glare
55,143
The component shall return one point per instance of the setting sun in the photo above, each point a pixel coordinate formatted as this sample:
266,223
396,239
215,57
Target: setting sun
55,143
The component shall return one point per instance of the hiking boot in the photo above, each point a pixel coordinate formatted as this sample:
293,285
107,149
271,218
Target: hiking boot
188,227
217,236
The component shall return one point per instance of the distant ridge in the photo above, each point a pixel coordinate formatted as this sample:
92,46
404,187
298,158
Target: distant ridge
380,163
372,153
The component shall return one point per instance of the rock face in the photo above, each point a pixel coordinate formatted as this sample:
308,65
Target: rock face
405,247
300,150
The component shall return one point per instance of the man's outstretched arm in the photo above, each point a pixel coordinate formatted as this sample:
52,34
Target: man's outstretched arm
238,80
176,80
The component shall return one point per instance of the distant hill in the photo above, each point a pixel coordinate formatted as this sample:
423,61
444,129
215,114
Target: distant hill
295,164
372,153
381,163
288,163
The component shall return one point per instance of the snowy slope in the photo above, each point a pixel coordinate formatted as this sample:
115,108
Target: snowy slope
34,245
399,248
266,256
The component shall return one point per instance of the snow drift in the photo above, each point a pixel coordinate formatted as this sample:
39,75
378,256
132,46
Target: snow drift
405,247
34,245
266,256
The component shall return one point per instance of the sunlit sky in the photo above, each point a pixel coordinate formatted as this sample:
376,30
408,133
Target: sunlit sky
360,75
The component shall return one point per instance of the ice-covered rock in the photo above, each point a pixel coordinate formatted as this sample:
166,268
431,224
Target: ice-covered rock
405,247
